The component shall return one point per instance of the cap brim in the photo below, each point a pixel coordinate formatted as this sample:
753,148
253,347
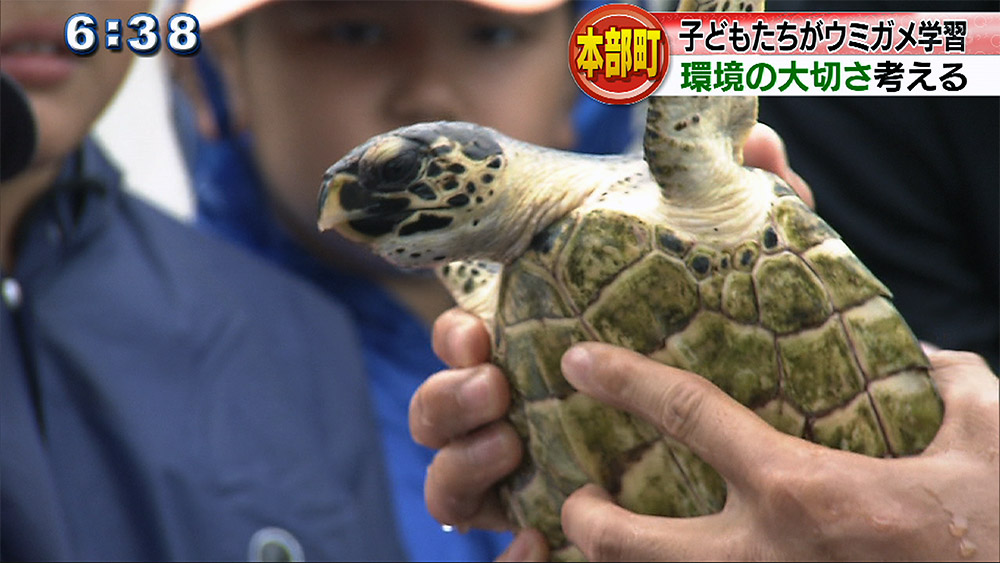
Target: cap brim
519,6
213,13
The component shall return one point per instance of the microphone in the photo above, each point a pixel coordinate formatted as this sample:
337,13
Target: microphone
18,136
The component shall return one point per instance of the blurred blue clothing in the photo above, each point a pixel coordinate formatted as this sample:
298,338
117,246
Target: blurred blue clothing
168,396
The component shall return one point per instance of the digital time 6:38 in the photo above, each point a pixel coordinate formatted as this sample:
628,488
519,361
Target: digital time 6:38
82,34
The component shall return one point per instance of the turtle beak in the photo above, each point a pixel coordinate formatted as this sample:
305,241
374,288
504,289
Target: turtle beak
361,209
356,212
330,211
341,198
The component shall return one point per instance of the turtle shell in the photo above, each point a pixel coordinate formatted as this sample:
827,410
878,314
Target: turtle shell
789,322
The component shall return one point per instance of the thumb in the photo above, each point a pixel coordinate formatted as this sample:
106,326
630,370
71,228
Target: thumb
683,405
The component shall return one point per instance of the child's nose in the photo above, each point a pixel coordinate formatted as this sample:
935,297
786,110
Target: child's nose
424,91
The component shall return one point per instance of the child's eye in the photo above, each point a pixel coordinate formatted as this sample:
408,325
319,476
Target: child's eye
357,33
496,35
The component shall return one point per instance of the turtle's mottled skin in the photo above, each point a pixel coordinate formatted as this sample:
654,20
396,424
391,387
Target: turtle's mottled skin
685,256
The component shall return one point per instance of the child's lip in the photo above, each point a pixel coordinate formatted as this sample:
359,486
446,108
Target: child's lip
35,54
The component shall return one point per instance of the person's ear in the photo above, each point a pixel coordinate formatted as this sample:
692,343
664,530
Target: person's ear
231,66
184,74
222,46
565,131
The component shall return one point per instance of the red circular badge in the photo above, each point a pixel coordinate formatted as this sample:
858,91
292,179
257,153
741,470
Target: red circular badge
618,54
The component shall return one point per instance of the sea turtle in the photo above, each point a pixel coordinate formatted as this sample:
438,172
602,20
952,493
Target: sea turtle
684,255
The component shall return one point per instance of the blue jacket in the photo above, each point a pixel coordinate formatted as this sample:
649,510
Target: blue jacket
165,395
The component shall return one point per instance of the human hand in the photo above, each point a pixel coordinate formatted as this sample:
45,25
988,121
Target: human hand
460,411
765,149
789,499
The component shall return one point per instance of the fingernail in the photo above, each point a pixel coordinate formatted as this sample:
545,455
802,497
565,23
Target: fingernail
474,393
929,348
802,188
453,336
458,342
576,366
598,491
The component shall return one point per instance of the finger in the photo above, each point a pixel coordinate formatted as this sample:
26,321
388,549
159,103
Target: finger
452,403
955,371
528,545
724,433
460,339
961,377
765,149
605,531
459,488
971,393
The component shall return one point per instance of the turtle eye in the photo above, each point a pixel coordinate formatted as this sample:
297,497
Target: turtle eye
402,168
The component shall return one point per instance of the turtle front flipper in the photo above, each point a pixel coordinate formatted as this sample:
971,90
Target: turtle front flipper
692,143
474,286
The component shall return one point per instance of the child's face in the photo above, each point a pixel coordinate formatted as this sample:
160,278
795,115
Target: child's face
317,79
67,92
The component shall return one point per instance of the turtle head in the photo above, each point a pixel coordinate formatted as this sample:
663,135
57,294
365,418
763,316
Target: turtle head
418,196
